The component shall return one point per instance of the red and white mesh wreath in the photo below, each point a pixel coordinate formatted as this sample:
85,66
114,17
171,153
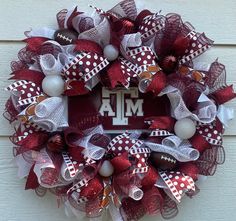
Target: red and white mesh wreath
134,173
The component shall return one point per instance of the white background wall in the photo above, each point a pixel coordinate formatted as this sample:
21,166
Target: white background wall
217,199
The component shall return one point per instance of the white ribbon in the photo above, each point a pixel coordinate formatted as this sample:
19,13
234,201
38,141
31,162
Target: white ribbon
41,32
66,174
115,213
135,193
91,151
91,83
71,212
43,161
131,40
179,149
23,166
206,109
225,114
50,65
100,33
51,114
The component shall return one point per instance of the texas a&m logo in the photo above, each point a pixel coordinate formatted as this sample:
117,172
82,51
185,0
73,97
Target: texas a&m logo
126,104
116,110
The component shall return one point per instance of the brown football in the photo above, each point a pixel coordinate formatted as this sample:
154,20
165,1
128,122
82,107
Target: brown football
163,161
65,36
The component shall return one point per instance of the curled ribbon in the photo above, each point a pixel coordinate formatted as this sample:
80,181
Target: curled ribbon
179,149
205,112
51,114
50,65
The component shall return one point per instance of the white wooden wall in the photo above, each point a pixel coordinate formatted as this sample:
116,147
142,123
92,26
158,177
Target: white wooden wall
217,199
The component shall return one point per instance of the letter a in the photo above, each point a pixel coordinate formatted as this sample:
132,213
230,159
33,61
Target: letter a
106,107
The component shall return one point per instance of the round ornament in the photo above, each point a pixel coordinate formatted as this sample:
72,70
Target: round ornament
114,114
106,169
185,128
53,85
110,52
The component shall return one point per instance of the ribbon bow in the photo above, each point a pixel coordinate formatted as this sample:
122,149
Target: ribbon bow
128,156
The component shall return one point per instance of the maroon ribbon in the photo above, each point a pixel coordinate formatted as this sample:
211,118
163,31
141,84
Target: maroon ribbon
158,83
199,143
34,141
120,27
121,163
224,95
69,22
32,180
71,136
150,178
162,122
28,75
116,75
190,169
180,45
83,45
34,43
76,88
141,16
151,203
93,189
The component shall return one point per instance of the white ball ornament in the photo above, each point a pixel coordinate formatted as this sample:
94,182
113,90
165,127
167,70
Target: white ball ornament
106,169
53,85
111,52
185,128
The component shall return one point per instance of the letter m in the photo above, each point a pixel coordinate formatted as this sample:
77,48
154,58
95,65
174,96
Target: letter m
134,108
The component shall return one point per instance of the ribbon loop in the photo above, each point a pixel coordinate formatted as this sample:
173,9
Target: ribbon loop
179,149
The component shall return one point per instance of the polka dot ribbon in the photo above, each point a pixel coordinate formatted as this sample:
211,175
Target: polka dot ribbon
22,134
178,183
27,91
199,43
83,67
30,94
143,57
150,25
211,132
124,143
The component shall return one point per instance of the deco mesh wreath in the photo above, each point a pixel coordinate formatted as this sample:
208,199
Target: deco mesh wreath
76,91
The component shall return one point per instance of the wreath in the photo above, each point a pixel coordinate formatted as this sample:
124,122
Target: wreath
112,113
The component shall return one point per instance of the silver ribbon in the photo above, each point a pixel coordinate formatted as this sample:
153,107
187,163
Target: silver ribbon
225,114
50,65
131,40
91,151
51,114
41,32
206,109
179,149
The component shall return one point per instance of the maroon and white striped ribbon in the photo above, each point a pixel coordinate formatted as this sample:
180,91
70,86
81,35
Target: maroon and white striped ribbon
69,164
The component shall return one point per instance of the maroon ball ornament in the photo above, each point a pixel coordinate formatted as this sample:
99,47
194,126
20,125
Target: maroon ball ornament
56,143
169,64
163,161
65,36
